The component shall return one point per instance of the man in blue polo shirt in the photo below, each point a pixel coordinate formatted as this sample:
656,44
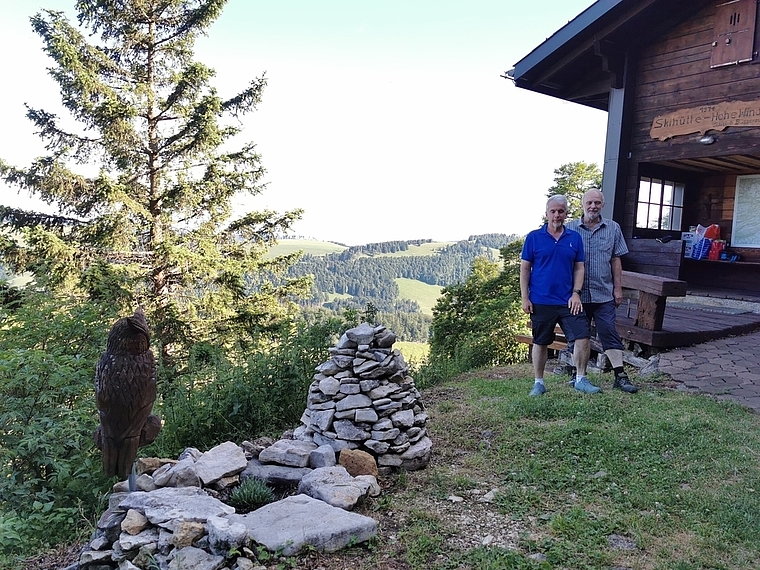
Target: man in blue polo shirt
551,277
603,245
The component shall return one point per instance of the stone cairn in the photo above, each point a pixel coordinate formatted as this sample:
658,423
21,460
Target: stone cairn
363,398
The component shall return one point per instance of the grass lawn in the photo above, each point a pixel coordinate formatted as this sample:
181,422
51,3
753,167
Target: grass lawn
656,480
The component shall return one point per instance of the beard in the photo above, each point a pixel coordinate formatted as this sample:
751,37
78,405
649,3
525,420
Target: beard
592,217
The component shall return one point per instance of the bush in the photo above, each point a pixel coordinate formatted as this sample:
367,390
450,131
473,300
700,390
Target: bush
50,471
259,394
475,322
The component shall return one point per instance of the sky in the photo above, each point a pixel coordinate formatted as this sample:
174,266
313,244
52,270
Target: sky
382,120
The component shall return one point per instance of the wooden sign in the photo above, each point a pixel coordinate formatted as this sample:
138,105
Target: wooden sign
705,118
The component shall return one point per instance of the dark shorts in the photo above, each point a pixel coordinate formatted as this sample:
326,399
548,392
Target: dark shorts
544,318
603,315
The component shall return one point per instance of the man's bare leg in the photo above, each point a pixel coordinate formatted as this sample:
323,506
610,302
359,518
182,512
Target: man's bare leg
621,378
539,355
581,352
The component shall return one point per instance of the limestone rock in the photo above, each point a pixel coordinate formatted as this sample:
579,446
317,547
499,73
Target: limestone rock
293,453
274,475
191,558
221,461
334,486
291,524
134,522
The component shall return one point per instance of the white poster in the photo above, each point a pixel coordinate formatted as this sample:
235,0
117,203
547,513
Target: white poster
746,229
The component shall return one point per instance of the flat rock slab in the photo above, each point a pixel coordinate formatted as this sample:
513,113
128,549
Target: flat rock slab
291,524
168,506
275,475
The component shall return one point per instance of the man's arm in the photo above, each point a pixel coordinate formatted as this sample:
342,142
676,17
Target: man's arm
525,268
617,280
574,304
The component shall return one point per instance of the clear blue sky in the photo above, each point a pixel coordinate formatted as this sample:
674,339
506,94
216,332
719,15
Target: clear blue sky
383,120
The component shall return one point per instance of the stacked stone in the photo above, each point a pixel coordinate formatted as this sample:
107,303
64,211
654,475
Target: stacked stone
363,397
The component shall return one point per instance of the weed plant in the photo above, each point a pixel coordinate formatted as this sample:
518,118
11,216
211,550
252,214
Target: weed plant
251,494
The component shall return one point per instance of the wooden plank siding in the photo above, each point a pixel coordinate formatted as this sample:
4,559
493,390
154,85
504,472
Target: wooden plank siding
674,73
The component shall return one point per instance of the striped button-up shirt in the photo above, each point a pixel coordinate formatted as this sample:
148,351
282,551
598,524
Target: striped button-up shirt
600,244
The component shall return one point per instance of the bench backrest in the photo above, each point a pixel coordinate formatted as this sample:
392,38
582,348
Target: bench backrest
654,258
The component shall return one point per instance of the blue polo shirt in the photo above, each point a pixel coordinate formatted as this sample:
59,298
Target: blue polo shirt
552,263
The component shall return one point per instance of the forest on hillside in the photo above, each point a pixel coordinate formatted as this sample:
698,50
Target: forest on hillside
364,276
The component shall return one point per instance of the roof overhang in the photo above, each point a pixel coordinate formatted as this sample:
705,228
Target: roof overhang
584,59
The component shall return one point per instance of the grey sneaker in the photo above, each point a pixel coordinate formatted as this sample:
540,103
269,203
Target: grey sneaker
583,385
622,382
538,390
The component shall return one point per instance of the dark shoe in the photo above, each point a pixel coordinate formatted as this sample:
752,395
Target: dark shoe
622,382
583,385
571,383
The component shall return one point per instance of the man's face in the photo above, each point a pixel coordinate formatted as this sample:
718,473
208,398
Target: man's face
592,205
556,214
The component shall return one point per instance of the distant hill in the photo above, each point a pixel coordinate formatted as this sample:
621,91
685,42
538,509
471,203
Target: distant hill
308,246
400,279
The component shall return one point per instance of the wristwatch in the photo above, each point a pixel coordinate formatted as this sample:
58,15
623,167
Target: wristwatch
577,291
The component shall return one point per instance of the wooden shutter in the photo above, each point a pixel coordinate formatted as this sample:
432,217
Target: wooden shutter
734,32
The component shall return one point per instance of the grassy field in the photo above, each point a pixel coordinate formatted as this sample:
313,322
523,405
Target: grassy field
657,480
414,352
308,246
426,295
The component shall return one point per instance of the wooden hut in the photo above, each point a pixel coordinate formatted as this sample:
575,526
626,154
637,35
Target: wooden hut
680,81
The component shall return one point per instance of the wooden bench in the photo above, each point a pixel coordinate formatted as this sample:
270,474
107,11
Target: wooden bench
653,292
654,258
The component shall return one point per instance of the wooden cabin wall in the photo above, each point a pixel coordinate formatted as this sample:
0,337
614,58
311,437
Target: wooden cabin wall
674,73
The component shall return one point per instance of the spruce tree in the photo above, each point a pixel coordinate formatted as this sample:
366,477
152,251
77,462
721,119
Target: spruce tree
142,186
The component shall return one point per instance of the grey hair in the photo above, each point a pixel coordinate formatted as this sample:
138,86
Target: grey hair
558,198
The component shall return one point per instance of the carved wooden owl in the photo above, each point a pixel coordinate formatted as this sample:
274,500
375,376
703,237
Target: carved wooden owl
125,389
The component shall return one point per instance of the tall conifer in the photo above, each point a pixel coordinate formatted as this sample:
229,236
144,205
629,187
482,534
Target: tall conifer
142,185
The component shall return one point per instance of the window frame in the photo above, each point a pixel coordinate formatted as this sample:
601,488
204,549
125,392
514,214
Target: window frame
675,204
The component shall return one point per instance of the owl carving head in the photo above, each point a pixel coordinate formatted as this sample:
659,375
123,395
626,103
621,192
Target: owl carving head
130,334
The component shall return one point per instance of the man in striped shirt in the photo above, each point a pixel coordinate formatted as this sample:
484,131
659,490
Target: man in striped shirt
602,292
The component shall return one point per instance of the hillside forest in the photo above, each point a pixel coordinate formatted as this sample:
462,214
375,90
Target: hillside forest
380,276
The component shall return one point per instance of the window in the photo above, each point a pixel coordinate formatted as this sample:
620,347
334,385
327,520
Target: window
734,29
660,204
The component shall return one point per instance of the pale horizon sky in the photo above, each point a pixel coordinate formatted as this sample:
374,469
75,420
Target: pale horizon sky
382,120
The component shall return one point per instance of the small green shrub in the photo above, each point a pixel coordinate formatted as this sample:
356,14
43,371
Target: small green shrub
260,393
51,481
251,494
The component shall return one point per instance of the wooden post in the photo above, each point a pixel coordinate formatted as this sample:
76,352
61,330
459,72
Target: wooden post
650,311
